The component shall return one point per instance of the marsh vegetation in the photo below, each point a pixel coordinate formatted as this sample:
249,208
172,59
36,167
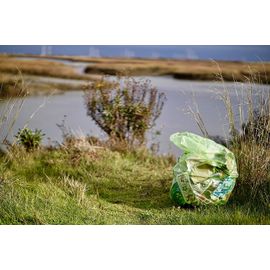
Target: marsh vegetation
71,72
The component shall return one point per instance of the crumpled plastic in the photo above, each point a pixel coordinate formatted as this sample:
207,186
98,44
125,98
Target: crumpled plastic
204,174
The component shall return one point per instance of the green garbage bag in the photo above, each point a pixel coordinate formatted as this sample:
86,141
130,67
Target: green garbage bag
204,174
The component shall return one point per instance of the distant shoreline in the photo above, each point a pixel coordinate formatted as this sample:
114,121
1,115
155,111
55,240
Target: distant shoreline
46,74
203,70
90,59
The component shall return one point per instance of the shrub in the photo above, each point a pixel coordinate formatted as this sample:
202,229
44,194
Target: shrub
29,139
124,108
249,140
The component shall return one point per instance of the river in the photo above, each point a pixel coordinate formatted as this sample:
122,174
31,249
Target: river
51,110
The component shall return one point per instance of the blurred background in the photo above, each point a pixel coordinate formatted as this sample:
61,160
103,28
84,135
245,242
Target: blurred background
192,78
226,53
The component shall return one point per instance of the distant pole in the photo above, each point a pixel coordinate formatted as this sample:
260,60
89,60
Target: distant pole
93,52
155,55
43,50
129,54
49,50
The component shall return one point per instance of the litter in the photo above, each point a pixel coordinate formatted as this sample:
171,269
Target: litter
204,174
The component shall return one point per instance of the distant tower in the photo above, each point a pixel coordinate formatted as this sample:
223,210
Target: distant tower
46,50
49,50
43,50
93,52
155,55
190,54
129,54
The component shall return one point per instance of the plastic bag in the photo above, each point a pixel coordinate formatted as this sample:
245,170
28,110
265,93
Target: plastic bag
204,174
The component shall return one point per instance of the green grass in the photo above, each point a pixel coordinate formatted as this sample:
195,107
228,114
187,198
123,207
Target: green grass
61,186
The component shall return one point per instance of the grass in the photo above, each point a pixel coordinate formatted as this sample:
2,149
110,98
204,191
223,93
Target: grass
9,113
250,140
69,186
78,184
254,180
179,69
184,69
248,122
39,72
12,84
39,67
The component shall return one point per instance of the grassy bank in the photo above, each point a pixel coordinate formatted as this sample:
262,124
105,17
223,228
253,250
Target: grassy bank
35,70
12,85
70,186
179,69
38,77
40,67
89,182
185,69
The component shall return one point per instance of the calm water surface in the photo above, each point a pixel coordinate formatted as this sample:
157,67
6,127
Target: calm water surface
175,117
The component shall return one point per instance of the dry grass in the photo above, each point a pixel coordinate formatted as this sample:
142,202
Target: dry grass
251,144
179,69
11,85
39,68
9,113
249,139
184,69
75,188
253,184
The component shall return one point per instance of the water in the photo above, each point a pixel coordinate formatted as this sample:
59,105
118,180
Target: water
49,111
79,67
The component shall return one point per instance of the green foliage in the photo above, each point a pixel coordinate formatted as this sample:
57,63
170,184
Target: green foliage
29,139
124,108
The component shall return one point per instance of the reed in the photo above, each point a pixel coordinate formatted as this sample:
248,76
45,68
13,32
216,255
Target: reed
248,122
9,112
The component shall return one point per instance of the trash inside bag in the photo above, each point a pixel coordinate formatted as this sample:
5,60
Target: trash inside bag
204,174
